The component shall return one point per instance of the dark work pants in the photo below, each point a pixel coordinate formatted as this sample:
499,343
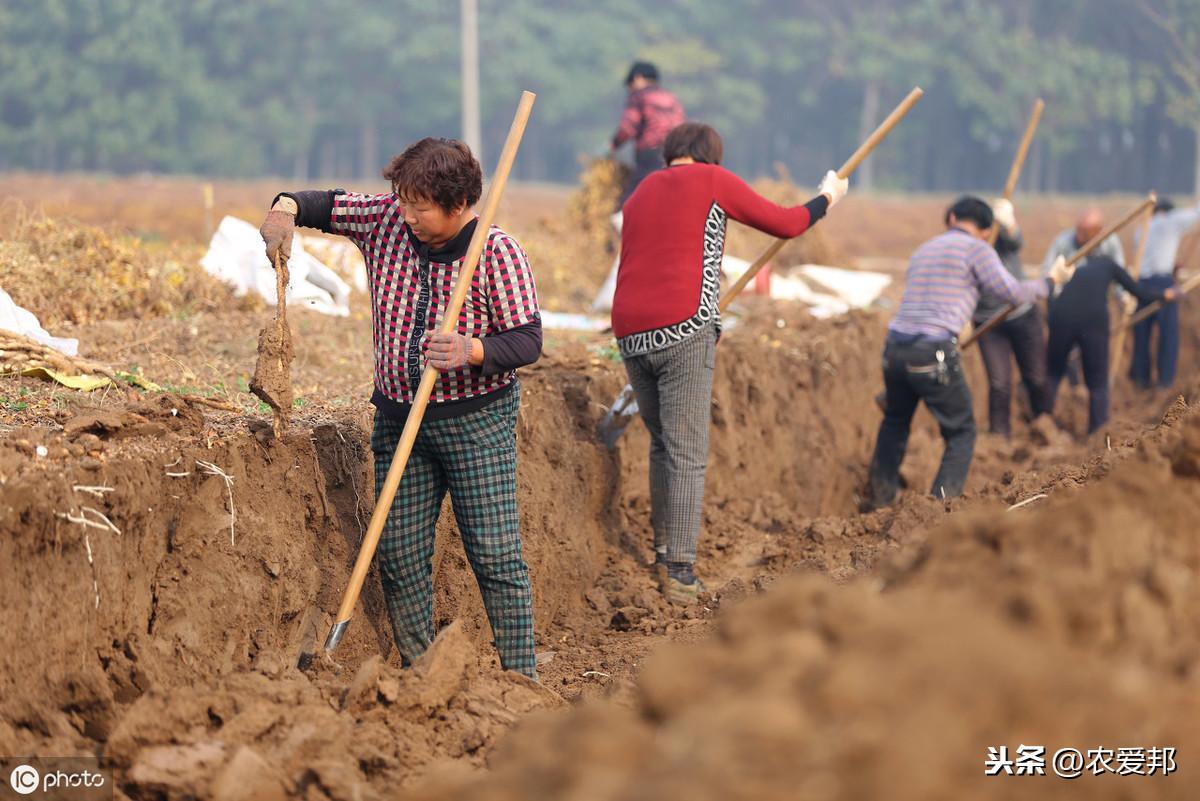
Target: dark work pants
1023,339
1092,339
1167,321
910,376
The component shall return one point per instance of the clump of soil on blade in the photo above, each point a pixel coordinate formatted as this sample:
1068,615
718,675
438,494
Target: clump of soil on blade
272,381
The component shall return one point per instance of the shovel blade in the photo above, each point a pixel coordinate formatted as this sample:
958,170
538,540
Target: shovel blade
617,418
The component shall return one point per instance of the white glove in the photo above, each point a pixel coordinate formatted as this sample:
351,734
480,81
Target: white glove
1061,272
1129,304
833,187
1002,210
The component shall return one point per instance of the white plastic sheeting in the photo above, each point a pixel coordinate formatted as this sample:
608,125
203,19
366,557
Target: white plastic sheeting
730,265
562,321
827,291
22,321
235,255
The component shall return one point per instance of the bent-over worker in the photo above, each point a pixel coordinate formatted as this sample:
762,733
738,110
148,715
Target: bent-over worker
921,360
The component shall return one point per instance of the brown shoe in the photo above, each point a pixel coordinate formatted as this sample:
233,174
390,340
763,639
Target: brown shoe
679,593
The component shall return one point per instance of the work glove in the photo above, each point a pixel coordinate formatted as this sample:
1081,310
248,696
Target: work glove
276,232
1061,272
833,187
1002,210
448,351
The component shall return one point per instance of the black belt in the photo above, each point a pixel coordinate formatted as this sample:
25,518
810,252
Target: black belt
898,338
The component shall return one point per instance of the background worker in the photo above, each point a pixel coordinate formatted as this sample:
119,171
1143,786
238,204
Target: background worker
413,240
921,360
1159,271
1089,224
1087,227
1079,317
1020,336
667,319
650,113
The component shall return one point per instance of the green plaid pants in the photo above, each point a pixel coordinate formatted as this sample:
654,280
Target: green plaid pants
474,457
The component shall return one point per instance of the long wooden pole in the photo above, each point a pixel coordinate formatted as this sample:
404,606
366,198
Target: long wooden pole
1010,186
1135,270
1076,258
449,323
1014,172
846,170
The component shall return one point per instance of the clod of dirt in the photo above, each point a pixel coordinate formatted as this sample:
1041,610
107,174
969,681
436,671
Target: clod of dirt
625,618
272,381
442,670
249,777
100,424
145,418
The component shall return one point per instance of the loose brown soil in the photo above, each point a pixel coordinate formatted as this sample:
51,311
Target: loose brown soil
165,563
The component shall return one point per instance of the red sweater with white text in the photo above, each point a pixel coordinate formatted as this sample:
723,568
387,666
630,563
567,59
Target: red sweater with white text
672,241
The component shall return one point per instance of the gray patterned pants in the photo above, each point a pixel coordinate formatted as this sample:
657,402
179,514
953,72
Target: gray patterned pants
674,395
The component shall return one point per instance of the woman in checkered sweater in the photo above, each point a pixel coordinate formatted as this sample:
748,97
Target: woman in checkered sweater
413,240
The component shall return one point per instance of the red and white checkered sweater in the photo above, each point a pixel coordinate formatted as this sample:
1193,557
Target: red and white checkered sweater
410,287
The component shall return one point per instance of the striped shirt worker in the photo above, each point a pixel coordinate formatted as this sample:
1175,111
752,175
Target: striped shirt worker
944,281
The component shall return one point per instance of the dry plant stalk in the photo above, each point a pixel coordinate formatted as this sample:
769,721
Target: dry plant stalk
65,272
19,353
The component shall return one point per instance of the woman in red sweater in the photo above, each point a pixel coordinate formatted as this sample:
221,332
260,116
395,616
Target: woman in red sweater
666,319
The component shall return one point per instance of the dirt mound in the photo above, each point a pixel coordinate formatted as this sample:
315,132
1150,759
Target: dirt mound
1066,627
344,737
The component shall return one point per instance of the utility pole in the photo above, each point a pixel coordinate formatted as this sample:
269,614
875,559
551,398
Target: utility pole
472,134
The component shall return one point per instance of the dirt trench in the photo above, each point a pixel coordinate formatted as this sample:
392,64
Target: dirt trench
170,650
165,564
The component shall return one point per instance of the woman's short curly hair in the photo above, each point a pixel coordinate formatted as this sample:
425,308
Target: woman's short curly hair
443,171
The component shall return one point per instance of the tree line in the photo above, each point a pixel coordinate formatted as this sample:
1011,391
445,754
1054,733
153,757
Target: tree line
330,89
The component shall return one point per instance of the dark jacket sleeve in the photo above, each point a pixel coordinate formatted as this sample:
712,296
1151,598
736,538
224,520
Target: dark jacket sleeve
513,348
1007,245
1122,277
316,207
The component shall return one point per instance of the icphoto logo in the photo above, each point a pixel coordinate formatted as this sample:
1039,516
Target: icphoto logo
24,779
27,780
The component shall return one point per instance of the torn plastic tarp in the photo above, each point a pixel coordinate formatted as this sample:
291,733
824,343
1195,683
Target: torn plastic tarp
236,255
844,289
24,322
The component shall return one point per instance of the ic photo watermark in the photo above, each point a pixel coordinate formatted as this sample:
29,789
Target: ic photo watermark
55,779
